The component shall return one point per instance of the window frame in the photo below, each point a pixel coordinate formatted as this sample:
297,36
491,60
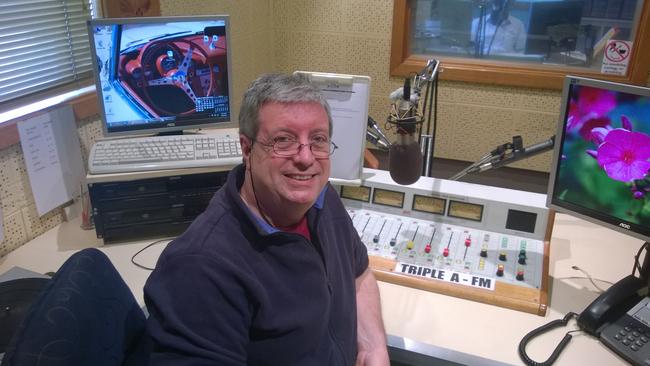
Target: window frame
402,63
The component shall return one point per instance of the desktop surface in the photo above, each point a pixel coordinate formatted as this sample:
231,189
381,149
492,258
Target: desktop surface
450,323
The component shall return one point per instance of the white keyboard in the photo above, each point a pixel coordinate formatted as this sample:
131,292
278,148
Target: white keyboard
164,152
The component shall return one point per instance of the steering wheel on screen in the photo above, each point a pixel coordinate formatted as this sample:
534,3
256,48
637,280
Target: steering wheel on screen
175,67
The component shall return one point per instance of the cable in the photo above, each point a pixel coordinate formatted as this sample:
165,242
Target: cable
637,266
147,247
543,329
590,278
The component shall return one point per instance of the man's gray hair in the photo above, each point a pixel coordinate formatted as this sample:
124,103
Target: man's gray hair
278,88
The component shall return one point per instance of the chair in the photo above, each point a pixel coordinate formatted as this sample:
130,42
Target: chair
85,316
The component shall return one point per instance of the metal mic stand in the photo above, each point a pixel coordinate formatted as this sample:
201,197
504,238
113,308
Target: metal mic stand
428,75
479,36
506,154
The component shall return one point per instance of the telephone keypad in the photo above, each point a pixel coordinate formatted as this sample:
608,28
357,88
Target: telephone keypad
629,338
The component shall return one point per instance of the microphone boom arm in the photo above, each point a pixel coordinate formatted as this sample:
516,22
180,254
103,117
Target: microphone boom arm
506,154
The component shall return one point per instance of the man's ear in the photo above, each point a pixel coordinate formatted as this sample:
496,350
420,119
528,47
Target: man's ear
246,147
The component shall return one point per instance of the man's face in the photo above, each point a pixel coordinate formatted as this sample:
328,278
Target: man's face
294,181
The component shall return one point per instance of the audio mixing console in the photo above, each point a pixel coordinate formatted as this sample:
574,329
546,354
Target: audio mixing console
477,242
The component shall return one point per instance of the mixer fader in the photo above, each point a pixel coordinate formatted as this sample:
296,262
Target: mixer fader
477,242
503,257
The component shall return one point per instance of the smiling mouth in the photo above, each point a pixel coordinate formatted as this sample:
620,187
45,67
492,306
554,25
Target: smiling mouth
301,177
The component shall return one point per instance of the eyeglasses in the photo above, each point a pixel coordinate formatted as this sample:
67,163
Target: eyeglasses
321,149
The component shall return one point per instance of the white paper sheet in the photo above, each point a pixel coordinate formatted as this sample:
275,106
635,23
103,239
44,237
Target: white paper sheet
348,97
52,153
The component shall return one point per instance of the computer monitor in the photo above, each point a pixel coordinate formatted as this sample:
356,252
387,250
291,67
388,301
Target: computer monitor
563,17
601,166
161,74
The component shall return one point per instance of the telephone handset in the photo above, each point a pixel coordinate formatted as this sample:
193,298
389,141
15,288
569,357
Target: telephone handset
619,317
612,304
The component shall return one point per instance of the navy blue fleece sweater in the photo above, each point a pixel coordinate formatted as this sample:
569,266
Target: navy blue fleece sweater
232,291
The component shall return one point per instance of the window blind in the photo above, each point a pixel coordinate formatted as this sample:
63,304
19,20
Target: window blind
43,44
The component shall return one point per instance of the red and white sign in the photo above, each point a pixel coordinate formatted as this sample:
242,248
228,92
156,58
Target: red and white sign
616,57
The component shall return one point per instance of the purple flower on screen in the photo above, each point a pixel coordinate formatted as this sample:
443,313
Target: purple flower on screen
624,155
598,134
592,103
586,131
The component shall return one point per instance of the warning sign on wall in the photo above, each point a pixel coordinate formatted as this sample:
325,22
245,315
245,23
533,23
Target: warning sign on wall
616,57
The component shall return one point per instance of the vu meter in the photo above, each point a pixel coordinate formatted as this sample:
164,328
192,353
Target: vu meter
428,204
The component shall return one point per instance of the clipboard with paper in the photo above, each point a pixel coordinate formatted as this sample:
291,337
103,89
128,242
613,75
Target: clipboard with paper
348,97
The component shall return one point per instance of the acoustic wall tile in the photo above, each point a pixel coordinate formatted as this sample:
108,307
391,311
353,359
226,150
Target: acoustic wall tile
13,197
461,132
313,15
507,97
367,56
10,165
89,131
198,7
368,17
14,233
35,225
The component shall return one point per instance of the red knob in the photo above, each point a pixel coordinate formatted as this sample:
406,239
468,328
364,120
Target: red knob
500,270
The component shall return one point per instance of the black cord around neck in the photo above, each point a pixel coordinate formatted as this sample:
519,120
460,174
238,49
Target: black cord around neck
257,202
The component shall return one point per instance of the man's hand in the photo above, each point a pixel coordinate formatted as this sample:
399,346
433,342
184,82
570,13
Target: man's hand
371,336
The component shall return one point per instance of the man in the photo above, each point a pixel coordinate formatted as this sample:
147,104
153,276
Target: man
273,272
500,33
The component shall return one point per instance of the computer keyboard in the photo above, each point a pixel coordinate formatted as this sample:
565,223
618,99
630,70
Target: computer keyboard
163,152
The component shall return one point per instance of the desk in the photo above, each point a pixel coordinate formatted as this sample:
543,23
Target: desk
458,325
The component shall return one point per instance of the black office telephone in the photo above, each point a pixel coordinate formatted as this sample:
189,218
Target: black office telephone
619,317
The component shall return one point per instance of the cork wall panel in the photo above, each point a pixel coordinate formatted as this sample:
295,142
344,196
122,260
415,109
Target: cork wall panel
14,232
461,132
504,97
90,130
35,225
368,17
312,15
251,43
21,222
11,174
355,39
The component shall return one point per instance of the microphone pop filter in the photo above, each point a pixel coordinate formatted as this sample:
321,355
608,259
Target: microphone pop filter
405,163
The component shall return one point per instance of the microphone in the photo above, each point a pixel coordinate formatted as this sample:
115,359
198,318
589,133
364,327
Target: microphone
506,154
405,155
517,155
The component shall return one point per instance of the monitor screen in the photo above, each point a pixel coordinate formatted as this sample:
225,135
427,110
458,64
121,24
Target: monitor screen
161,74
601,166
553,23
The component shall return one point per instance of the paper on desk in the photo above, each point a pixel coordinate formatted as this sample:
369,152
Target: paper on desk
53,157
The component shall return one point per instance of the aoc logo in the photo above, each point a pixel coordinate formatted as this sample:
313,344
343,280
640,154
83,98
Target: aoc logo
171,124
625,226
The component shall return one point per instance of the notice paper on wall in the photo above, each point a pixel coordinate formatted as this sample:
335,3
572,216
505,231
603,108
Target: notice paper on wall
348,97
52,153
